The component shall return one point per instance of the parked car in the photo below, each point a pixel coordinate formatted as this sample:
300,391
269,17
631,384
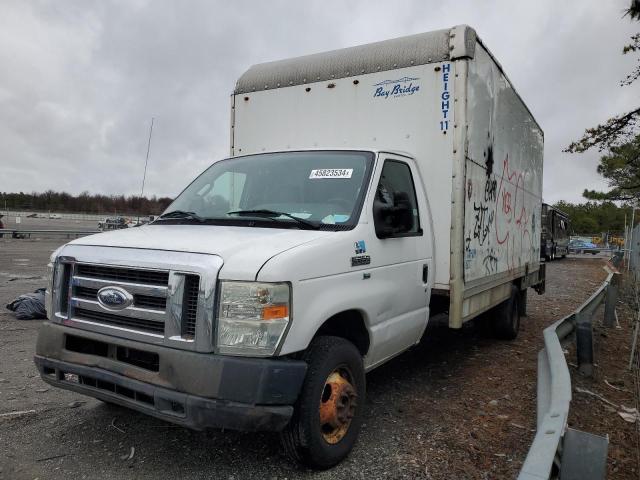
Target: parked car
113,223
580,246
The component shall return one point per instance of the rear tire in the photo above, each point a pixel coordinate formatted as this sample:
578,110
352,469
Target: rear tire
522,302
507,316
328,414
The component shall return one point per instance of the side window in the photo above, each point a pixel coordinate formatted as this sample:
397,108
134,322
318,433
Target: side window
395,204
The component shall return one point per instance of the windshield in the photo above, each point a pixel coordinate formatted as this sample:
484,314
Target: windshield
320,189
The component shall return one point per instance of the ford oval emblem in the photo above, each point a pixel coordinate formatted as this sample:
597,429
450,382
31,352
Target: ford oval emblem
114,298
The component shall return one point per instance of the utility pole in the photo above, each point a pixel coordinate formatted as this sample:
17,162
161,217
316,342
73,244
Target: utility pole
626,239
630,246
146,161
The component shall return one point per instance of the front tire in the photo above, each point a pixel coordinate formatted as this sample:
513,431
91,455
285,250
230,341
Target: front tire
328,413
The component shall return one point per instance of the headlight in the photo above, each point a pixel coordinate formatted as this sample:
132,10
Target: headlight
252,317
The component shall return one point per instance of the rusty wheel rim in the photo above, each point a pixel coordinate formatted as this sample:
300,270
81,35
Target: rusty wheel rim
337,405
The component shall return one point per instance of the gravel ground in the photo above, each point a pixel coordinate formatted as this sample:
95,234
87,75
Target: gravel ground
460,405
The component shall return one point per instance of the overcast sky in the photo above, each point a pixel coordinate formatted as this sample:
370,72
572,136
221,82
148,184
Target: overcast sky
80,80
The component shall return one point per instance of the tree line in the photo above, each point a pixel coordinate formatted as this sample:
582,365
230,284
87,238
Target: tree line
597,217
83,203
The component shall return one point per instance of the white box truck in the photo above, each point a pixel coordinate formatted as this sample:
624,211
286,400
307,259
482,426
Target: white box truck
368,189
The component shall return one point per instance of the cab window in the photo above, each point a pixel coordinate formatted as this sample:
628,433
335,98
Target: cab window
395,204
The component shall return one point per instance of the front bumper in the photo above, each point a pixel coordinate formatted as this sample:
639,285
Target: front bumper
196,390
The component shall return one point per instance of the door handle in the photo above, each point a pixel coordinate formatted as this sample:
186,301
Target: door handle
425,273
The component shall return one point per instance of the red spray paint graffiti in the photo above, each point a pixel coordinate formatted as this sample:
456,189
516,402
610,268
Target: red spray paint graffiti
512,224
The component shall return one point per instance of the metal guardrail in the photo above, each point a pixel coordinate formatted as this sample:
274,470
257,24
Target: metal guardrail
593,251
558,451
70,216
20,233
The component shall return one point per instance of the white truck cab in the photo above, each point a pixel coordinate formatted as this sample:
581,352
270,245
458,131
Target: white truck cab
282,274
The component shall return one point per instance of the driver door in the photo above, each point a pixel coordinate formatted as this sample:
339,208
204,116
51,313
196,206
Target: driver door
401,261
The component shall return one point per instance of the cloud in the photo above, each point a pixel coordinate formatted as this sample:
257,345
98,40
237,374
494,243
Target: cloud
80,82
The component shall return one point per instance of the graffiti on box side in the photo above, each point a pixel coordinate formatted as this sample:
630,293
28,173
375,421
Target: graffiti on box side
501,221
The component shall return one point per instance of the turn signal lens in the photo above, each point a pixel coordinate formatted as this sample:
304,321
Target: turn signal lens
275,311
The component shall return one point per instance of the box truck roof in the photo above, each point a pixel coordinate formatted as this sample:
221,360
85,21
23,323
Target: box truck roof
423,48
420,49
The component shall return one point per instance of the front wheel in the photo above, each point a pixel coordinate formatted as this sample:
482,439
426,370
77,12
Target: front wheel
328,413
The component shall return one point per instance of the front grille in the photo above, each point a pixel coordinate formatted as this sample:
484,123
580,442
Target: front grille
140,301
120,321
123,274
147,301
159,302
190,305
86,292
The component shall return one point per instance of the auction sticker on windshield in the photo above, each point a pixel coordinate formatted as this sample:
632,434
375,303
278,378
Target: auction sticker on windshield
331,173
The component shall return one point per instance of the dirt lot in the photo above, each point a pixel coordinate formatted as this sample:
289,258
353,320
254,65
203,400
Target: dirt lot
461,405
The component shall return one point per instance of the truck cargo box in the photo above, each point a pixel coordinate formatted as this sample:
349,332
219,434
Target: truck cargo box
441,97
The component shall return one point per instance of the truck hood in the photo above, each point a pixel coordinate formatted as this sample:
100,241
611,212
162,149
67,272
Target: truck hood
244,250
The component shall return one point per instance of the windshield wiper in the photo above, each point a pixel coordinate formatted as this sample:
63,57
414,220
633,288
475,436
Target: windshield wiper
181,214
272,214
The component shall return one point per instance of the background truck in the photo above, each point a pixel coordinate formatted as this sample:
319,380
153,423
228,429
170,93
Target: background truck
368,190
554,234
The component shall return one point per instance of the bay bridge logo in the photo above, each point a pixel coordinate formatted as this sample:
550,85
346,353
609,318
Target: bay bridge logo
396,88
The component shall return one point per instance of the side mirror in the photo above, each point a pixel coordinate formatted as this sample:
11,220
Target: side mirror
393,219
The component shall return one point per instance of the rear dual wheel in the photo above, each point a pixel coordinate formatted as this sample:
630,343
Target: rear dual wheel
506,318
328,414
